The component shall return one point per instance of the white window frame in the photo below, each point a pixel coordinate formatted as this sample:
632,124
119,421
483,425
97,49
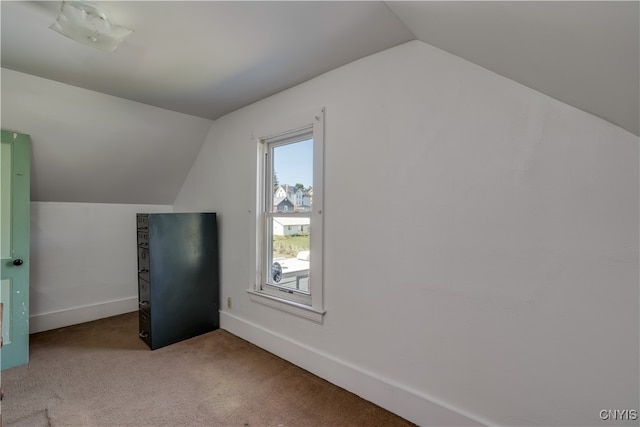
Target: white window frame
309,306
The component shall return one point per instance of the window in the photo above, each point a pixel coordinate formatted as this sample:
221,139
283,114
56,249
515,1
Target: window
288,233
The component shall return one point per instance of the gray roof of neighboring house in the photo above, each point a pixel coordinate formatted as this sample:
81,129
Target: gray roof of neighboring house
278,200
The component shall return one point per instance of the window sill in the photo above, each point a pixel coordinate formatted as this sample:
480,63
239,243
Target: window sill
287,306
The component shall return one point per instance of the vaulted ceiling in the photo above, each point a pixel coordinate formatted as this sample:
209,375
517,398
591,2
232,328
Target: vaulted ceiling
209,58
201,58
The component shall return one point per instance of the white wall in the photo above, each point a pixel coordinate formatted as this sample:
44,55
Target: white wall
83,262
490,266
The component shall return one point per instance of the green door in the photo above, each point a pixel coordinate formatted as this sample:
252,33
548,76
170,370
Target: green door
14,237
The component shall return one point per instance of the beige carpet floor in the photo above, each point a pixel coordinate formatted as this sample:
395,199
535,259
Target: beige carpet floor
100,374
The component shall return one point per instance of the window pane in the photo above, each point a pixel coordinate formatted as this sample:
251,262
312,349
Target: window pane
293,177
290,253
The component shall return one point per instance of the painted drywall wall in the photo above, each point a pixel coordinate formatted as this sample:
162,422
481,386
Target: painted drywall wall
83,262
481,243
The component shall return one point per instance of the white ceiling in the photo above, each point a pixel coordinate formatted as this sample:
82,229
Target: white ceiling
209,58
585,54
201,58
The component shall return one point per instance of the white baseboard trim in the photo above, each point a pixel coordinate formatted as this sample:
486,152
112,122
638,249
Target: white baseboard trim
87,313
412,405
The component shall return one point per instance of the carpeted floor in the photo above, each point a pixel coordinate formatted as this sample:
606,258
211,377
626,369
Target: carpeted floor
101,374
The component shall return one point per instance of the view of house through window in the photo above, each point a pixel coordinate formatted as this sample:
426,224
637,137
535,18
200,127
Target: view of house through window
289,214
289,220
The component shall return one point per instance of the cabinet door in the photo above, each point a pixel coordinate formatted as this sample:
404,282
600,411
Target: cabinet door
143,238
144,295
143,263
144,320
143,221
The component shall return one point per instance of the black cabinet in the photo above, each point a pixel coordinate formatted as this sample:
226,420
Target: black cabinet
178,292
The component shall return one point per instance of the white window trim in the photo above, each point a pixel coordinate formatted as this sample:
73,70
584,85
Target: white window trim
315,311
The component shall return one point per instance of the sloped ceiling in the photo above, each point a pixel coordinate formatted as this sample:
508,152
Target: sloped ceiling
203,59
97,148
585,54
206,59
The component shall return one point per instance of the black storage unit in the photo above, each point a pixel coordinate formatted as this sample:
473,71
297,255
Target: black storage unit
178,292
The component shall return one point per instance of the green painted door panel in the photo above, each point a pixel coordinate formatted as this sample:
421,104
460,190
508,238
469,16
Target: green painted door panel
14,247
